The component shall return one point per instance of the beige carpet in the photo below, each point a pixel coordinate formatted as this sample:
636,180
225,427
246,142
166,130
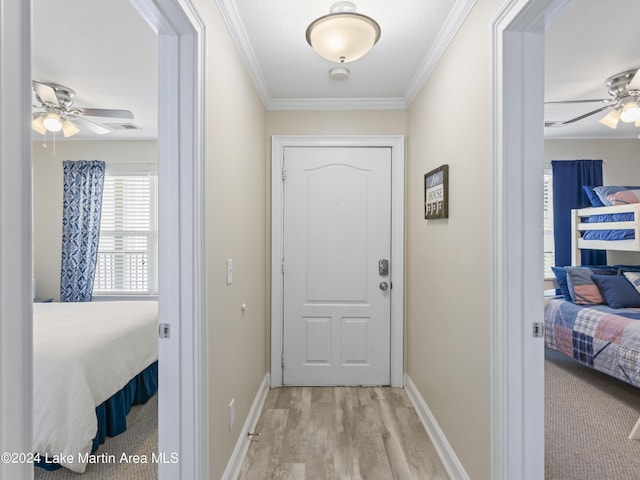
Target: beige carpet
588,416
140,438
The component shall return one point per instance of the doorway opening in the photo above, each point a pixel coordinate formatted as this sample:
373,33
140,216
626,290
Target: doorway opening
183,419
517,361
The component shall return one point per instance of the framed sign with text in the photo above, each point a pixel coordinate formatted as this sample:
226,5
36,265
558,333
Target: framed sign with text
436,193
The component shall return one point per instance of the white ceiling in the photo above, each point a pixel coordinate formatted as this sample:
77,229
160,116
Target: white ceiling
107,54
104,51
591,41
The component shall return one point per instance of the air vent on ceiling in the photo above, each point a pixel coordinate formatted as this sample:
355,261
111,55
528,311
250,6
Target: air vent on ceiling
121,126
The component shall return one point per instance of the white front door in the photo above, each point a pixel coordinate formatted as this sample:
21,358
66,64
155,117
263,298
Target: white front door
337,230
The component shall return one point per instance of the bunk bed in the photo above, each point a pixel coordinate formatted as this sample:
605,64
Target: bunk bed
92,361
596,320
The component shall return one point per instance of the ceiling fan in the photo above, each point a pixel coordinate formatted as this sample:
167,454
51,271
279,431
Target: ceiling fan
624,91
56,112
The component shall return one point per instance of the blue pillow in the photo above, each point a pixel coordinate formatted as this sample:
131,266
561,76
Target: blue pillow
617,291
561,278
593,196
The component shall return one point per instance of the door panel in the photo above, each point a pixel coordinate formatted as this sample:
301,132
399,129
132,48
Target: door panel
337,226
354,341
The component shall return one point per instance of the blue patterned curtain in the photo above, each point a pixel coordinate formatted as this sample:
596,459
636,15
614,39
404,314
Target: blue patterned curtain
82,202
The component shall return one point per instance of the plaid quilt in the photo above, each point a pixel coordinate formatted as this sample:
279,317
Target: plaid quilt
601,337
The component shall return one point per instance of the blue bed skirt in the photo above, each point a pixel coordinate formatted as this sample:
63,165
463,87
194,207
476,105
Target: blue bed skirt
112,414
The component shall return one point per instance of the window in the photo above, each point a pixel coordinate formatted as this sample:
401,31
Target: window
549,254
128,250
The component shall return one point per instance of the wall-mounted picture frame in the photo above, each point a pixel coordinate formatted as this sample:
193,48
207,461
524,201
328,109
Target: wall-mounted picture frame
436,193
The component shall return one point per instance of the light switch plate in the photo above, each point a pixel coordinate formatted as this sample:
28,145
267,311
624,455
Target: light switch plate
229,271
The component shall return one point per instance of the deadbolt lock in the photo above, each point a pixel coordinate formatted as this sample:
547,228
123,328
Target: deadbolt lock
383,267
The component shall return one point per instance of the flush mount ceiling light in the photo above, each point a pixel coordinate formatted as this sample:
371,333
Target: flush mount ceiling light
343,35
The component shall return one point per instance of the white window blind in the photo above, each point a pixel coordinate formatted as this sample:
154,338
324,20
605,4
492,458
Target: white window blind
549,251
128,250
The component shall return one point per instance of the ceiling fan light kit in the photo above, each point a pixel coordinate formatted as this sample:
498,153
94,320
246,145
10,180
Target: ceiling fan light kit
52,122
611,119
343,35
38,125
630,112
69,129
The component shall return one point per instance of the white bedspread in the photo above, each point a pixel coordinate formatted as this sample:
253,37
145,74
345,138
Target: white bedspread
83,354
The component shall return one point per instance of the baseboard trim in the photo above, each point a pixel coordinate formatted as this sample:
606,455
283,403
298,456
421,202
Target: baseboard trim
242,445
445,452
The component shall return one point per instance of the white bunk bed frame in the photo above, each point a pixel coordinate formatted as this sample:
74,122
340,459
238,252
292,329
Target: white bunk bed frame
577,243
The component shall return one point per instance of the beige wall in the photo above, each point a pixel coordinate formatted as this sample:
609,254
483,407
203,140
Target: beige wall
235,204
336,122
621,167
447,287
621,157
47,195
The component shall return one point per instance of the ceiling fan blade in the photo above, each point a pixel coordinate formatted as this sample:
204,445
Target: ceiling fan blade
594,100
91,126
580,117
634,84
46,93
103,112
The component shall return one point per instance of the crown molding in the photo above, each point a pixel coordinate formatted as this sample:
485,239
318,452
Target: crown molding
454,21
231,17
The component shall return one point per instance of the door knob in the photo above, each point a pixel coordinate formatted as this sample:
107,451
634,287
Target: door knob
384,286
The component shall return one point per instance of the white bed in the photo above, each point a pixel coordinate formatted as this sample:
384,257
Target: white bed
83,354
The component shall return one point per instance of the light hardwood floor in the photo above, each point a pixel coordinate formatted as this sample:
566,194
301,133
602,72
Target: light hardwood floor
340,433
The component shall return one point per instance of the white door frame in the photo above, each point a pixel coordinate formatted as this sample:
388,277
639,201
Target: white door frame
183,425
16,253
183,399
396,143
517,362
